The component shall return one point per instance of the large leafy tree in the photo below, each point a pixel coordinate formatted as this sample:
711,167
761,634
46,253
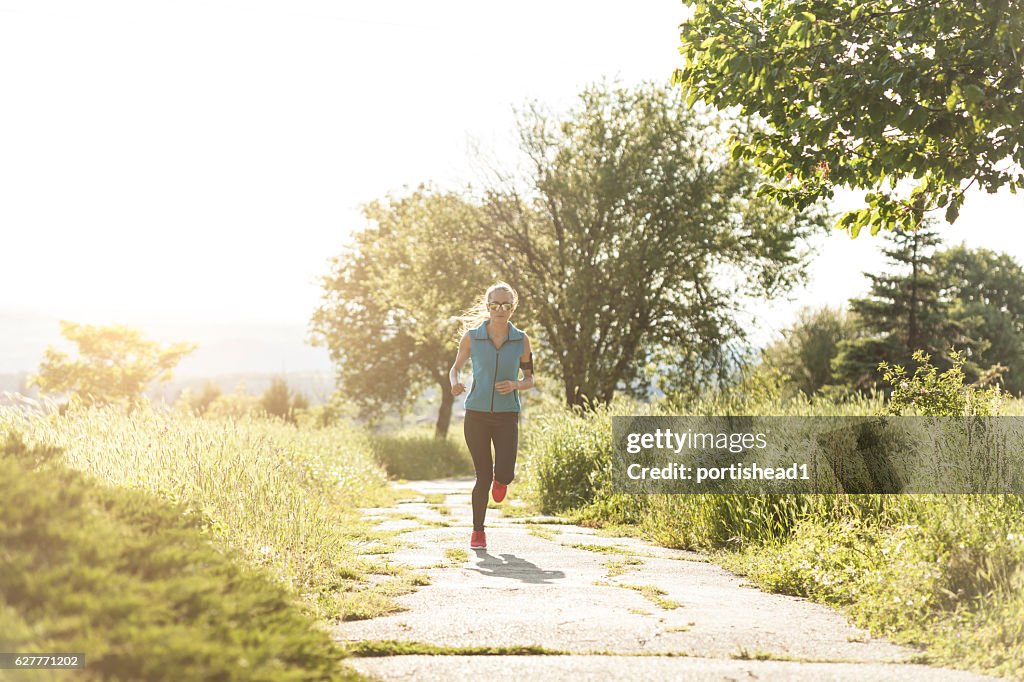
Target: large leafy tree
114,364
868,94
805,352
633,237
391,299
986,291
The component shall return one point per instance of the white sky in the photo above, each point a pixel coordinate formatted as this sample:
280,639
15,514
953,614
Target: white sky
200,161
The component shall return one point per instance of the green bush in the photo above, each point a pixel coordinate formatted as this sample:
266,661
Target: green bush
929,393
418,455
568,458
135,584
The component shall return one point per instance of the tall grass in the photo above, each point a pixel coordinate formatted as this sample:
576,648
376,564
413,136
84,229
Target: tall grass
281,496
942,570
415,454
133,583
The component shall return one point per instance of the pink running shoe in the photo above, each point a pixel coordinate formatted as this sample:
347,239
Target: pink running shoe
498,490
478,540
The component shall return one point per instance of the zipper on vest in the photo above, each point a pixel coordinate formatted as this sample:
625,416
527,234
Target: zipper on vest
496,358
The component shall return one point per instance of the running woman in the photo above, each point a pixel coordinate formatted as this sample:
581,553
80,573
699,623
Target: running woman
498,350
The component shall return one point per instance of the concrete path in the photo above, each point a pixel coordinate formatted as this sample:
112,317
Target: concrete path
619,609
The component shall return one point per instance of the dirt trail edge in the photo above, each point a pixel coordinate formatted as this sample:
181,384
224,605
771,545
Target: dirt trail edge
614,608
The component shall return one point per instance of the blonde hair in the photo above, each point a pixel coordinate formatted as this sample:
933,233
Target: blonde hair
475,316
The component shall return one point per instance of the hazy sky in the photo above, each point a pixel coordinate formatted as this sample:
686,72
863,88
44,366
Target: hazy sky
200,161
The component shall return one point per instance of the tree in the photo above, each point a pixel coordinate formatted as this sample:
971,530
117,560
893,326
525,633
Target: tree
633,237
905,311
804,354
866,95
198,402
390,302
276,400
114,364
279,401
237,405
986,292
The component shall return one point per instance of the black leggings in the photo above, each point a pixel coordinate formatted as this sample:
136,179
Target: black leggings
481,429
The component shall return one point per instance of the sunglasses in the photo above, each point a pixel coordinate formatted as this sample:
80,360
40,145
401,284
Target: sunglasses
496,306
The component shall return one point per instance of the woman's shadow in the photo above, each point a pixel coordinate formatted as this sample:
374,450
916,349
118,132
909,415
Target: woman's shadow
511,566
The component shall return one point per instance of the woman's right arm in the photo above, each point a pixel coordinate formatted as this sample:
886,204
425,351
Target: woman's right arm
460,360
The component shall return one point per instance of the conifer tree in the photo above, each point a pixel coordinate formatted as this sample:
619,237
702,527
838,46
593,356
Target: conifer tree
903,312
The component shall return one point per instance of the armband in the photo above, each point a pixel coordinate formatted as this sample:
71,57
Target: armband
528,364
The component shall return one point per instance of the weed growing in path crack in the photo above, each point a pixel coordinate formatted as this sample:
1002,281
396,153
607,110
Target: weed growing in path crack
514,508
616,568
393,647
601,549
540,531
404,495
424,523
744,654
374,600
653,594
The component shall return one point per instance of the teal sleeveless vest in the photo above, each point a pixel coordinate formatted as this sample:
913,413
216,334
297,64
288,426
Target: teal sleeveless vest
491,364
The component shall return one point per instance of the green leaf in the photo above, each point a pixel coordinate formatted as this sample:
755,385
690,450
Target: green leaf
953,98
973,94
952,212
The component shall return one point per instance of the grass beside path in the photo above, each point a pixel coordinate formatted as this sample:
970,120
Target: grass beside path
136,584
415,454
167,546
945,572
283,498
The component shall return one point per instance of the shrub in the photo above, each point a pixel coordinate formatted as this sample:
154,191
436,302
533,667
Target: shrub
928,393
417,455
569,456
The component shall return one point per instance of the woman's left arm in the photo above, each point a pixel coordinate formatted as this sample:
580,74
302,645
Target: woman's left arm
526,364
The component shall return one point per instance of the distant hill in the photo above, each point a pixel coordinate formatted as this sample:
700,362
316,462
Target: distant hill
317,387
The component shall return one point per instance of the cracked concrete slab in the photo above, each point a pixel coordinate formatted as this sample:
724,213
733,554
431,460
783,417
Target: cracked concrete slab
640,669
528,590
